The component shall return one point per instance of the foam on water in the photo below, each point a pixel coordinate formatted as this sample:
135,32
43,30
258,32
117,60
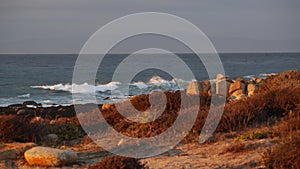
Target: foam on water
102,91
24,96
140,85
262,75
79,88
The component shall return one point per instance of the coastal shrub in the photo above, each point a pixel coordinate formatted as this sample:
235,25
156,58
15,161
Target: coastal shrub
289,125
65,128
264,108
67,131
260,109
14,128
141,103
282,80
286,155
118,162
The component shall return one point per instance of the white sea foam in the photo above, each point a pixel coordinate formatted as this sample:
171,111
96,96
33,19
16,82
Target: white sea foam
82,88
262,75
157,80
47,101
265,75
24,95
31,106
140,85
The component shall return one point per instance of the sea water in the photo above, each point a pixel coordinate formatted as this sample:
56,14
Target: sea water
47,78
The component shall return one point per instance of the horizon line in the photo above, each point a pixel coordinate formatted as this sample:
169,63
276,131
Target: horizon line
241,52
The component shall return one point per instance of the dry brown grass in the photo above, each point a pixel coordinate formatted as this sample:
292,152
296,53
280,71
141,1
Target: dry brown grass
285,155
118,162
14,128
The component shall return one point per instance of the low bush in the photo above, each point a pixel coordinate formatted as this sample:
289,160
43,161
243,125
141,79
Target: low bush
14,128
283,80
252,136
118,162
238,147
286,155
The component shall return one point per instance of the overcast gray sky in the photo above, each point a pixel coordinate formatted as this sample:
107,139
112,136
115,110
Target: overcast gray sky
63,26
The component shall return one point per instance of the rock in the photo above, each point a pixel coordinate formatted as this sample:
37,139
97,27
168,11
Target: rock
37,120
237,92
238,96
257,80
30,103
222,85
45,156
212,89
11,151
194,88
21,112
206,86
251,88
15,107
220,77
50,139
106,106
238,85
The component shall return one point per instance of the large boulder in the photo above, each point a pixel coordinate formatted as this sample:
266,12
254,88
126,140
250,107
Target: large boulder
106,106
30,103
257,80
45,156
50,140
251,88
238,87
222,84
194,88
206,86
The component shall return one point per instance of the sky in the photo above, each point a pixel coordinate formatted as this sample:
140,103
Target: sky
63,26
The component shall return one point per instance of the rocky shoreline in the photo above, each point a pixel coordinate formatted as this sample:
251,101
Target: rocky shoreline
235,89
261,119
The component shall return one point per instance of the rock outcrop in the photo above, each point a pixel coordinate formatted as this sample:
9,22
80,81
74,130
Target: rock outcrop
251,88
45,156
194,88
222,84
50,140
238,89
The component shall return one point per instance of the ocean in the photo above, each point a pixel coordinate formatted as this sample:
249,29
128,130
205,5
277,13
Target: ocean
47,78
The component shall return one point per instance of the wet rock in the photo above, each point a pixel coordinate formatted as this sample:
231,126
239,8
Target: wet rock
45,156
30,103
